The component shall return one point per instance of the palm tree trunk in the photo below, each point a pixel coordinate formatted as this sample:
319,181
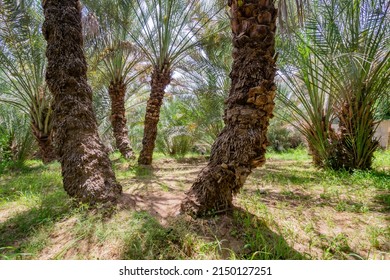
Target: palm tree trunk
117,92
241,145
160,80
86,168
355,140
46,148
43,131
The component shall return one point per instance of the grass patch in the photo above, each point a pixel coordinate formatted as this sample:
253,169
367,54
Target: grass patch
287,210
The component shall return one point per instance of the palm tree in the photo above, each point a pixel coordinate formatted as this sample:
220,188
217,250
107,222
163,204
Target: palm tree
340,70
86,168
305,99
203,84
22,63
241,145
16,139
167,31
117,60
357,53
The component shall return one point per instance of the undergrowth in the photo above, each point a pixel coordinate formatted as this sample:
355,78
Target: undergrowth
287,210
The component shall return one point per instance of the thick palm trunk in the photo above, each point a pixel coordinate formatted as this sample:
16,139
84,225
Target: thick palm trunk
241,145
86,168
160,80
117,92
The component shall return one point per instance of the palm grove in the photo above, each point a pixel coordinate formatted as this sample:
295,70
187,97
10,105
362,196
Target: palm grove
182,76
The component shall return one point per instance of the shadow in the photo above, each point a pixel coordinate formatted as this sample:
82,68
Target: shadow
33,181
192,160
149,240
144,172
381,181
161,206
292,198
17,168
384,200
380,175
179,168
296,198
16,232
246,236
235,235
283,176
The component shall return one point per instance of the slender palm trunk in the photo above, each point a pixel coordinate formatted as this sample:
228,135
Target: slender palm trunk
241,145
160,80
117,92
46,148
43,131
86,169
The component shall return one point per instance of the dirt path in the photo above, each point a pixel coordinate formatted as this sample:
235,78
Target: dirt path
161,189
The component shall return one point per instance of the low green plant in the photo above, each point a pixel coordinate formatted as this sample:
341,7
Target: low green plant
339,71
282,138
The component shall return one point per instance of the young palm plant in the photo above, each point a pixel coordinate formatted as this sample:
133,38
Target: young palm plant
166,31
22,64
304,92
346,47
16,139
361,66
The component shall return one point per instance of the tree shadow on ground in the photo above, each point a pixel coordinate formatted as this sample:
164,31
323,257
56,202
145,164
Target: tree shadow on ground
378,180
235,235
18,167
28,184
382,181
296,198
15,233
159,205
279,174
384,199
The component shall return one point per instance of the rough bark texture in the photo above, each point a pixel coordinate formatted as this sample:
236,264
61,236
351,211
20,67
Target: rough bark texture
46,148
160,80
356,120
43,131
241,145
117,92
86,168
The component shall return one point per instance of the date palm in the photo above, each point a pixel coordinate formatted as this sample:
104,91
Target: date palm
342,71
204,83
16,139
117,60
241,145
166,31
86,169
22,65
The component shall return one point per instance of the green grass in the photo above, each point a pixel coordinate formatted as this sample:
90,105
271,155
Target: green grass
299,154
287,210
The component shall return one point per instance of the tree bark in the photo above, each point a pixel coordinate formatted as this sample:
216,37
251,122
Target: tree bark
356,120
160,80
46,148
241,145
86,169
43,131
117,92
